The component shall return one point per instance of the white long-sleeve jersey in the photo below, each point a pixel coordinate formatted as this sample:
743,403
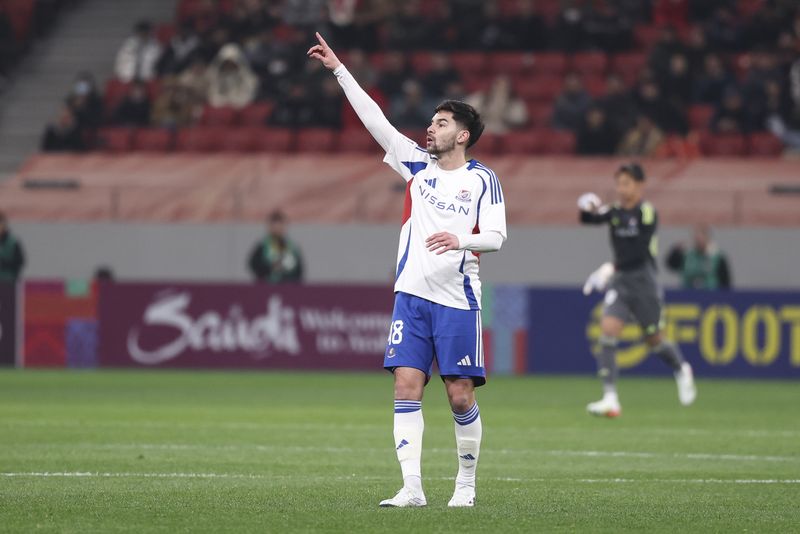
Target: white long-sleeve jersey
467,202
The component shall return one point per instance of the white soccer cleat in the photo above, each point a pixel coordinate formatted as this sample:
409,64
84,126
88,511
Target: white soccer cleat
684,378
463,497
605,407
405,498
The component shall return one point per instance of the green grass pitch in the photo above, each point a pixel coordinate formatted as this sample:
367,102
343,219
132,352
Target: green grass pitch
283,452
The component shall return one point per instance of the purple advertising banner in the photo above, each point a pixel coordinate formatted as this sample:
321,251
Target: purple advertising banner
243,326
8,324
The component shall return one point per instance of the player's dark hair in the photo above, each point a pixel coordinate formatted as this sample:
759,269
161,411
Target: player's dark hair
634,170
466,116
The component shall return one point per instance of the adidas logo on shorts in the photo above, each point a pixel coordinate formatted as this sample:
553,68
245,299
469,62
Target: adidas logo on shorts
465,361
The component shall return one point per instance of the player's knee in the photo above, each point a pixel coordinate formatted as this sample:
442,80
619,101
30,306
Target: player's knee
653,340
461,398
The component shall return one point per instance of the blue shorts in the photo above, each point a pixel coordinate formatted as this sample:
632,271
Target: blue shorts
422,331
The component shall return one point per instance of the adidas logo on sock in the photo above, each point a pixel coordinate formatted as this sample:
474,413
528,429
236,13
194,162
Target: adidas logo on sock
403,443
465,361
467,457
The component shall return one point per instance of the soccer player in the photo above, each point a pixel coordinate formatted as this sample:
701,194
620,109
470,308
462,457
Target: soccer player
454,210
632,290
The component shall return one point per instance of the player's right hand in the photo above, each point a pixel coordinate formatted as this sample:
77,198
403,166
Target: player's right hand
324,53
589,202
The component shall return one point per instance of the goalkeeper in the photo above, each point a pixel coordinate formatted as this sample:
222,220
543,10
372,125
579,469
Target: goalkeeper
631,289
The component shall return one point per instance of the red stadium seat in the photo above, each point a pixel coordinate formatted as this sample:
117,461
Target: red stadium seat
357,140
165,32
421,62
765,144
200,139
469,63
489,144
523,142
558,142
274,140
240,139
724,145
595,85
152,140
114,92
315,140
590,63
221,116
700,116
539,114
550,63
628,65
256,114
114,139
514,64
646,36
539,88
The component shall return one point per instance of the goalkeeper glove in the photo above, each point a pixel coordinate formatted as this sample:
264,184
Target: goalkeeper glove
598,280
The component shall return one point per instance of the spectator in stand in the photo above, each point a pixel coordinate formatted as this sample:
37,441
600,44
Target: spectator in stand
467,18
526,28
666,114
134,108
85,101
304,14
395,74
211,44
596,137
500,109
676,83
764,68
12,255
367,76
231,81
618,105
703,266
571,105
495,35
723,31
696,50
271,59
730,117
642,140
409,30
138,56
411,110
667,46
674,13
195,79
570,28
441,74
64,134
276,259
180,51
608,29
329,104
176,106
710,84
295,109
251,17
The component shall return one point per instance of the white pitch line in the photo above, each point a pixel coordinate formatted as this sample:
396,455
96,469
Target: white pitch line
702,456
89,474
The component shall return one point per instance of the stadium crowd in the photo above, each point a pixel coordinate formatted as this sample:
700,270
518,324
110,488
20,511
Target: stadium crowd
597,77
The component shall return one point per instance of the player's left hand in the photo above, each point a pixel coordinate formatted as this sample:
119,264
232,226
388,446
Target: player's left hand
441,242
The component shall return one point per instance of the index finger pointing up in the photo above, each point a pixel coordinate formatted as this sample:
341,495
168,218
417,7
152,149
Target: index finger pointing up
321,40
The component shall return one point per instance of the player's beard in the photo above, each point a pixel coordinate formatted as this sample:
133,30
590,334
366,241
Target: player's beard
437,148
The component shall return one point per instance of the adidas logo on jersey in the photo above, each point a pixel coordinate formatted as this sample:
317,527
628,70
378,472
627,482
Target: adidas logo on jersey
465,361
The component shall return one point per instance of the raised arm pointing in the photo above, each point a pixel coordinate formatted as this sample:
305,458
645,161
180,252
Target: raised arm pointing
367,110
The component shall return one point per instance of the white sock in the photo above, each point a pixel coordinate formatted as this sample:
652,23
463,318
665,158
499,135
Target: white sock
468,443
408,428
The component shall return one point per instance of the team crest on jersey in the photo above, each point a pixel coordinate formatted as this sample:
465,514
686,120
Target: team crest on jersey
464,196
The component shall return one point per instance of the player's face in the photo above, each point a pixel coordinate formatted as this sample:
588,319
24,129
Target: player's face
443,134
629,191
